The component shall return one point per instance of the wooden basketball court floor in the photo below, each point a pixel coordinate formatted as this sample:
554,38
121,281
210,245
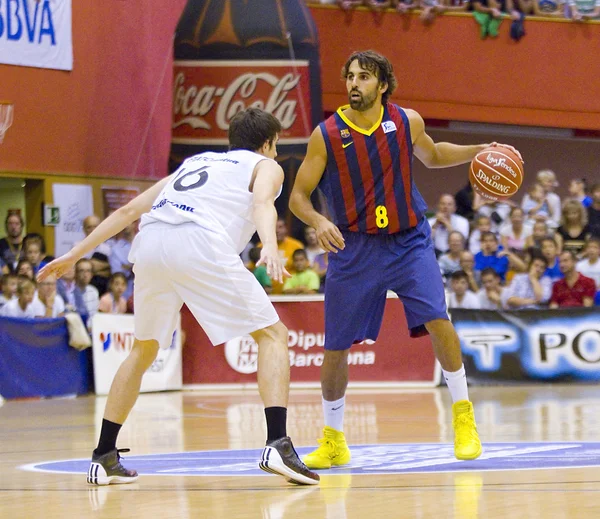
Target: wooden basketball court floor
524,429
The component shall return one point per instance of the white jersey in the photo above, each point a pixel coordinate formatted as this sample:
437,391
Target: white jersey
211,190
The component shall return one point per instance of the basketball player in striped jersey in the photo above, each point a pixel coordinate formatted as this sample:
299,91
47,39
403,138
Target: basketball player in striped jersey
379,240
194,224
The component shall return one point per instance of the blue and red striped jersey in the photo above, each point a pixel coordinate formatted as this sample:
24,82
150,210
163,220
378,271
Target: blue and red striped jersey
368,180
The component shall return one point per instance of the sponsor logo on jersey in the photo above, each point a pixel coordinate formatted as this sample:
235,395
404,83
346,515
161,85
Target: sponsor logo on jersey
388,126
182,207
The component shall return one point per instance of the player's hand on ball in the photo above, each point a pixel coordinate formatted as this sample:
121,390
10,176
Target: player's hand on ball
269,257
329,236
508,147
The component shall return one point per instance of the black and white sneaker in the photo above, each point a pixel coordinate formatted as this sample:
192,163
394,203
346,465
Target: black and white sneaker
279,457
107,469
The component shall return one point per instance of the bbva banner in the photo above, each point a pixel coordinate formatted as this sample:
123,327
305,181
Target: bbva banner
36,33
527,345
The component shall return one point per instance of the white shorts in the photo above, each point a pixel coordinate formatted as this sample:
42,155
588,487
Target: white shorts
181,264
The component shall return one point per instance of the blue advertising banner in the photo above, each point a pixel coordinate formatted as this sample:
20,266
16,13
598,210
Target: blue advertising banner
526,345
36,33
37,361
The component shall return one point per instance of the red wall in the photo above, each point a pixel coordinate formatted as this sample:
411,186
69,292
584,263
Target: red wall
445,71
93,120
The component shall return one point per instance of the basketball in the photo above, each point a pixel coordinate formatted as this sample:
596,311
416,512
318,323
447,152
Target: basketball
496,173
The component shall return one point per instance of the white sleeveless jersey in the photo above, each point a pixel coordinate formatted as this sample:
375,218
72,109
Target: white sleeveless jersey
212,191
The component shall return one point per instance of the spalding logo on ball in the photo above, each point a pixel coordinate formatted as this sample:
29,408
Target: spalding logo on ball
496,173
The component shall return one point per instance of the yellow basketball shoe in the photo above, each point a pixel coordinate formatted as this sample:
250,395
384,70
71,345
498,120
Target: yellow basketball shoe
332,450
467,445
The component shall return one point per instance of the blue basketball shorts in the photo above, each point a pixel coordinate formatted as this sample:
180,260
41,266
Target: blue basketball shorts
359,277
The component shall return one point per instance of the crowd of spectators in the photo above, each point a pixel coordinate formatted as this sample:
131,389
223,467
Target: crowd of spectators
100,282
540,253
488,14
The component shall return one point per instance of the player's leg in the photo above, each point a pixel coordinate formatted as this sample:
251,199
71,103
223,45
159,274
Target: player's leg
278,456
106,467
418,282
354,305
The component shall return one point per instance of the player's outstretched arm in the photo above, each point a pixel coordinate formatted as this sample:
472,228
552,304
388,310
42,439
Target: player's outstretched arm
309,175
441,154
110,226
268,179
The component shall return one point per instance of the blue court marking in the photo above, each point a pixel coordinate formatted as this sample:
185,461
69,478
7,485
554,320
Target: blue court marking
366,460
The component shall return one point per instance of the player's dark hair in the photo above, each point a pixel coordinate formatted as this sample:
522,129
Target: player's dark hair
489,270
376,64
458,275
251,128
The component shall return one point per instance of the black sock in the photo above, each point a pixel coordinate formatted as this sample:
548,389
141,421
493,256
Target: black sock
108,437
276,423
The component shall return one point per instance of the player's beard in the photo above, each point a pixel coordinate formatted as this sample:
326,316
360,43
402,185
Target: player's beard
365,102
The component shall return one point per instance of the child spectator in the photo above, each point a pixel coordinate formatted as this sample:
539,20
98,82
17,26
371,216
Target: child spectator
53,305
113,301
575,289
490,296
550,252
461,296
537,208
590,266
539,232
313,249
529,290
483,224
492,256
305,280
23,306
34,253
9,288
577,191
574,229
514,234
547,179
467,262
260,272
25,268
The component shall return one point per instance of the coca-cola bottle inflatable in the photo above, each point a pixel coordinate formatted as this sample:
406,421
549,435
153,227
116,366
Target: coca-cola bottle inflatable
233,54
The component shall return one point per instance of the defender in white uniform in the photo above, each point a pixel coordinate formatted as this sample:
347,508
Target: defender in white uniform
194,224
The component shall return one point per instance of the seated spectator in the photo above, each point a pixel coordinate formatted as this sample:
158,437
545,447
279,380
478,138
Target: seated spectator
464,202
539,232
444,222
594,211
456,6
3,267
574,229
100,272
597,299
467,262
11,246
25,268
430,9
574,289
450,262
9,288
260,272
578,186
304,280
33,252
497,212
490,296
547,179
490,13
550,252
405,6
24,306
514,234
590,266
320,267
482,224
537,208
491,256
65,286
549,8
113,301
53,304
87,299
313,249
461,296
529,290
89,224
119,256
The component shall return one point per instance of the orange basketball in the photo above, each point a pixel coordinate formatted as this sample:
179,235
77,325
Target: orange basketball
496,173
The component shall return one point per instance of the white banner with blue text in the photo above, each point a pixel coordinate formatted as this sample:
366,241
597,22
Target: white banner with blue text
36,33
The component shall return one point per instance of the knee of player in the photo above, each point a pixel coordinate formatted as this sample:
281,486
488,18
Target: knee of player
145,351
277,332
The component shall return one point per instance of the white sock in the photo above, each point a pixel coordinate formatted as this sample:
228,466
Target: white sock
457,384
334,413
